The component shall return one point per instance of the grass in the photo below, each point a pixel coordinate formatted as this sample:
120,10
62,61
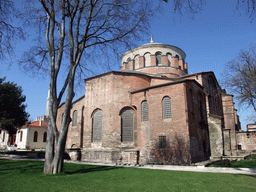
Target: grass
250,162
27,175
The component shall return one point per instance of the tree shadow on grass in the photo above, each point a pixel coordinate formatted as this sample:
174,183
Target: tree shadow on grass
90,168
8,166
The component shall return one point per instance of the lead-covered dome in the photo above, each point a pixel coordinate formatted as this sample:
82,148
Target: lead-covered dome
157,59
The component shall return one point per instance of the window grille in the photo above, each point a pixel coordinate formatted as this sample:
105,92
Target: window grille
144,111
97,126
162,142
127,126
167,112
74,118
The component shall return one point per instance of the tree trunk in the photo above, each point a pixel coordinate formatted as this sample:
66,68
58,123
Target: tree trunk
54,158
49,153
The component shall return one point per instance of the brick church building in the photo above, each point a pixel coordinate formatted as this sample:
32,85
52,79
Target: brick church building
152,110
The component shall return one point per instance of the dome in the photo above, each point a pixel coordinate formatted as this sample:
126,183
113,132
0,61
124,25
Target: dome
156,59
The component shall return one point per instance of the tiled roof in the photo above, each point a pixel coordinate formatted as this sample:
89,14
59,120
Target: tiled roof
36,124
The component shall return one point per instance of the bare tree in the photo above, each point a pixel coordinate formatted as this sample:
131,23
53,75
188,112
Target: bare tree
76,30
249,6
240,77
9,33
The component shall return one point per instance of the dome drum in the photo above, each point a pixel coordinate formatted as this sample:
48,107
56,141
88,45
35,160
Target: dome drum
155,55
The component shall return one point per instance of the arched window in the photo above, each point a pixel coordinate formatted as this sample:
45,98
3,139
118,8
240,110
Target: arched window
158,58
21,134
45,137
127,125
97,126
169,57
74,118
147,60
144,110
167,110
35,136
137,61
191,103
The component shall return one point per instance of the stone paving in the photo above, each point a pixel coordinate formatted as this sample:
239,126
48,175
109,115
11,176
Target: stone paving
195,168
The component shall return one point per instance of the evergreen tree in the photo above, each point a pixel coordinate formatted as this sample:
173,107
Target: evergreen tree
12,107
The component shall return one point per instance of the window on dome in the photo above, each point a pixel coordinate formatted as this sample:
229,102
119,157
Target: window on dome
147,60
158,58
137,61
169,56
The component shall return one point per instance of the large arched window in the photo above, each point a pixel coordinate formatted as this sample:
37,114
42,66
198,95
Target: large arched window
167,110
74,118
144,110
158,58
35,136
127,125
45,137
97,126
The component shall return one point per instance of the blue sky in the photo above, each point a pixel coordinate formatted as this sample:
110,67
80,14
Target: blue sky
210,40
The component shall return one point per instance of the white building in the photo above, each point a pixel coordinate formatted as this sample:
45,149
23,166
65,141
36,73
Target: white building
32,135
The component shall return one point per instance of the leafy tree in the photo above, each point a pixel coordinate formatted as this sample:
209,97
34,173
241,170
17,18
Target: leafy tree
240,77
12,108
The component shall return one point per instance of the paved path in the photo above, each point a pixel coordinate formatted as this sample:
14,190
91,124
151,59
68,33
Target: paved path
248,171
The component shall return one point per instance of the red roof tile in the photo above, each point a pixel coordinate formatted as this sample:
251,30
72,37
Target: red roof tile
36,124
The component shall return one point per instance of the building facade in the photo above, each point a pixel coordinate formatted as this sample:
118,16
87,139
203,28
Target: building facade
150,111
30,136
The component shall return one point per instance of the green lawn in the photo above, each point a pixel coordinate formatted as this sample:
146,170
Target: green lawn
25,175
